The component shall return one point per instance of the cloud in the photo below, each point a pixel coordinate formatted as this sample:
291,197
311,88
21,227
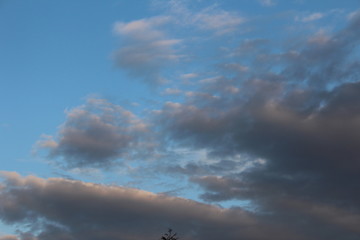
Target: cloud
267,3
98,134
68,209
187,76
332,53
298,111
317,220
172,91
354,15
235,67
22,236
278,126
145,50
212,18
219,21
8,237
312,17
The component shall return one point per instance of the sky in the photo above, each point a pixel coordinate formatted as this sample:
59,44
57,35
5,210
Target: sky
233,119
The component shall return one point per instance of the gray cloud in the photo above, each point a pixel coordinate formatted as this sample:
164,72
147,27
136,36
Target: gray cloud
98,134
298,112
145,50
8,237
316,219
275,116
65,209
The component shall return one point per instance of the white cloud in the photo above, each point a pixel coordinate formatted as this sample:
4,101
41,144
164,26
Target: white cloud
310,17
211,18
267,3
189,75
219,21
172,91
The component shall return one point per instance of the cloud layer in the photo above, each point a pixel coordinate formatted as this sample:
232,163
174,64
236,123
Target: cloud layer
276,123
56,208
298,112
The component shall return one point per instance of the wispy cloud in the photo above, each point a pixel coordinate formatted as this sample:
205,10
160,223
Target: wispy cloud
219,21
211,18
311,17
268,3
189,75
172,91
145,49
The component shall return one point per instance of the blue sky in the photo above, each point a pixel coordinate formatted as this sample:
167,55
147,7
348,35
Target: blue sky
196,109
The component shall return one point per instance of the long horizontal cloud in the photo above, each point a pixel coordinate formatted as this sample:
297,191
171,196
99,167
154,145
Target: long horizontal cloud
65,209
8,237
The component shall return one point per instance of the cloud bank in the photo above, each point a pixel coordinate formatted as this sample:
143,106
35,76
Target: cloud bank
56,208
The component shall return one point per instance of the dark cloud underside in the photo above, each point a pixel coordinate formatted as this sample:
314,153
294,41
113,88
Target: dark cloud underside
300,114
64,209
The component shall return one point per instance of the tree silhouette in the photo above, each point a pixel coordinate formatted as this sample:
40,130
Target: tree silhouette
169,235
